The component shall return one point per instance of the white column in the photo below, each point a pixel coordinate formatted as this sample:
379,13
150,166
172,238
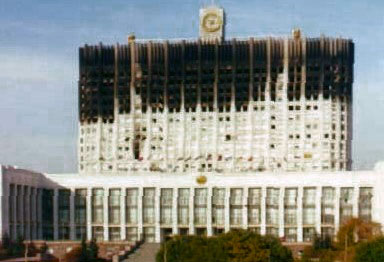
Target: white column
140,214
227,214
263,211
209,212
300,214
157,215
165,143
123,200
72,228
318,210
284,104
98,144
302,104
89,214
56,214
337,209
106,214
267,103
281,212
245,208
355,205
191,211
175,196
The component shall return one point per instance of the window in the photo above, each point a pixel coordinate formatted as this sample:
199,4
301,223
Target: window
166,205
365,203
346,203
114,206
309,202
149,206
327,205
131,205
97,205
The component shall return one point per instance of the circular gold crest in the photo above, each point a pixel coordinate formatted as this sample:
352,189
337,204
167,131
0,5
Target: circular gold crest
211,22
201,180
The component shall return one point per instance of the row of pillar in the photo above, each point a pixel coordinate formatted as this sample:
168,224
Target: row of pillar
30,206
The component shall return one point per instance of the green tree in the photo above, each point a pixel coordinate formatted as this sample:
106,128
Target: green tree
18,247
234,246
322,249
93,251
355,230
371,251
84,256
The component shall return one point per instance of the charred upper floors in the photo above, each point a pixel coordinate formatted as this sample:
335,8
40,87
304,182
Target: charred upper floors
219,77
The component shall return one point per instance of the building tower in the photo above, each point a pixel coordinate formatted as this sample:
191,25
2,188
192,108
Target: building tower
216,105
212,23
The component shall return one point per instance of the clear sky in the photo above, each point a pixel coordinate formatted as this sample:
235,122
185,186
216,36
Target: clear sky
39,42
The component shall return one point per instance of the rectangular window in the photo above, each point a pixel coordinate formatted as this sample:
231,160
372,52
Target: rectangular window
346,204
272,206
97,206
114,206
218,202
290,235
365,203
131,234
328,206
290,206
81,232
183,206
254,204
149,206
308,234
131,205
114,234
64,196
200,206
166,205
47,207
81,206
149,234
98,233
309,206
236,206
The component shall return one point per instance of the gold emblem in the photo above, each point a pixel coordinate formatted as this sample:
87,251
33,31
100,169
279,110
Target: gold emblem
201,180
211,22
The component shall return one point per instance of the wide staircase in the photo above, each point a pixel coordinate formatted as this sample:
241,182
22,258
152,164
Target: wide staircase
145,253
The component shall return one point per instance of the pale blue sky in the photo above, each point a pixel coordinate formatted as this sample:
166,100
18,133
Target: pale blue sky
39,41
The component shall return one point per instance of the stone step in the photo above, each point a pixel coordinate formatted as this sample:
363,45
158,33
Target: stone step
145,253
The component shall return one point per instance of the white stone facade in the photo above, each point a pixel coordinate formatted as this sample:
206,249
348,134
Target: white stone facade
297,115
293,206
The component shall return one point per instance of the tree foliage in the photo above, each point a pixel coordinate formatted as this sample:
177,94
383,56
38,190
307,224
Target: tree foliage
356,230
84,253
234,246
350,235
371,251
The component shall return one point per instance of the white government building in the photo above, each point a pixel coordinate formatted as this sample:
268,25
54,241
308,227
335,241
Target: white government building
201,137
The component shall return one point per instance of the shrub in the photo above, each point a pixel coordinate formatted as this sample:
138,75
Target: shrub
234,246
371,251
